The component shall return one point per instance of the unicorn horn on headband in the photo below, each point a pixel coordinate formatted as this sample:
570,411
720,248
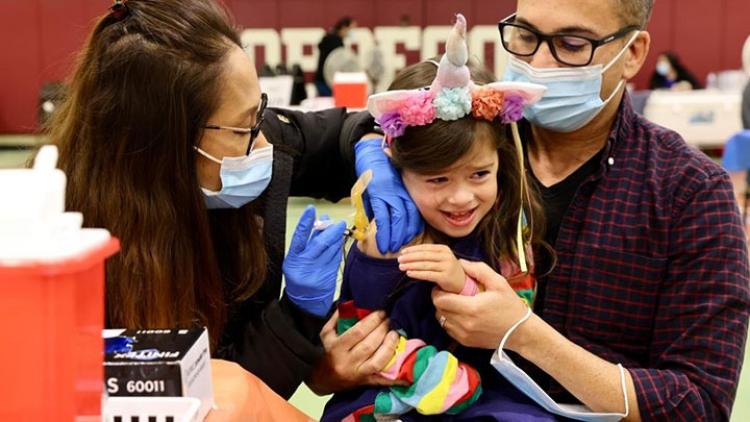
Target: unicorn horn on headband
452,71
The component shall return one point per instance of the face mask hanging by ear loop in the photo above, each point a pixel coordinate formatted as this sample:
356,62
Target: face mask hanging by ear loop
508,368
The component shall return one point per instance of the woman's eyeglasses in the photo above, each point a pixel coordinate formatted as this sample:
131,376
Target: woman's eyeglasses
253,131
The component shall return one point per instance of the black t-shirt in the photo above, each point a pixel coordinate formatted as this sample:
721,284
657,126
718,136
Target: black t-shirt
556,200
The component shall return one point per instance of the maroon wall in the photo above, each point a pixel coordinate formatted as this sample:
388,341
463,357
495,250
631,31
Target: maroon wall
40,37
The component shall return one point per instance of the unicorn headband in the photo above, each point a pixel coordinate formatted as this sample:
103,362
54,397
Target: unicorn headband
452,96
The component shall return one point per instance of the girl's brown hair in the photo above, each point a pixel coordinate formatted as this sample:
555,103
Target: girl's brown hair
432,148
144,86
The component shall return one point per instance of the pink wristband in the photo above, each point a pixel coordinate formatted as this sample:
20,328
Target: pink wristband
470,287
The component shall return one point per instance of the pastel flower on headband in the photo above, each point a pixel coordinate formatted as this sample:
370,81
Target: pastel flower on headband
418,110
512,109
392,124
486,103
452,103
452,94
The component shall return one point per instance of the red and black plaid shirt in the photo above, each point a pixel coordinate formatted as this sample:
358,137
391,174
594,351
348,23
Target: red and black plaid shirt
652,272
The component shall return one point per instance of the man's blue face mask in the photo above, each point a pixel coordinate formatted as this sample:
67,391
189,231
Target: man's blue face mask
573,96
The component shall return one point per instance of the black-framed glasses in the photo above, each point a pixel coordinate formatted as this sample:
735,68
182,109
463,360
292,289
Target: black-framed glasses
571,50
253,131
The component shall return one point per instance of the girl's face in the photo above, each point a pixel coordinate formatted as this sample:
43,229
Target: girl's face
454,200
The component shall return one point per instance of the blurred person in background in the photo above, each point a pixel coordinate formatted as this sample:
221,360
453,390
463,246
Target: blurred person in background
671,74
332,40
375,68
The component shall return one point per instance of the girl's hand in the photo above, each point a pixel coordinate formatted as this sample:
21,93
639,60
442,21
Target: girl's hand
435,263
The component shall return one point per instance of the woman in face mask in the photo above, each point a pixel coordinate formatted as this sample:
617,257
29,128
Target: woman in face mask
670,73
160,138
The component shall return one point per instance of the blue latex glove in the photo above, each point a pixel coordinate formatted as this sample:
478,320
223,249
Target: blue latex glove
396,215
312,264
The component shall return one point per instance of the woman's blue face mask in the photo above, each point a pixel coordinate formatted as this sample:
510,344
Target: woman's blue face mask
243,179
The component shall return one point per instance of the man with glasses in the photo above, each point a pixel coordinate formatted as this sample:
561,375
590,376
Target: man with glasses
651,268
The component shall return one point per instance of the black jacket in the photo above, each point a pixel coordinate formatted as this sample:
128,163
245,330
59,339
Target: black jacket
313,156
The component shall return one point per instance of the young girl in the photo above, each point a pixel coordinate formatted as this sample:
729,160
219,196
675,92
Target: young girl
465,175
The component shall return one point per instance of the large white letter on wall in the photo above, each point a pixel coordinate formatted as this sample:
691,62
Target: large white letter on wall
295,40
390,36
266,38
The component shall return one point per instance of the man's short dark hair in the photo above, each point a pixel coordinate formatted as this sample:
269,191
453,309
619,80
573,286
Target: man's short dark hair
635,12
